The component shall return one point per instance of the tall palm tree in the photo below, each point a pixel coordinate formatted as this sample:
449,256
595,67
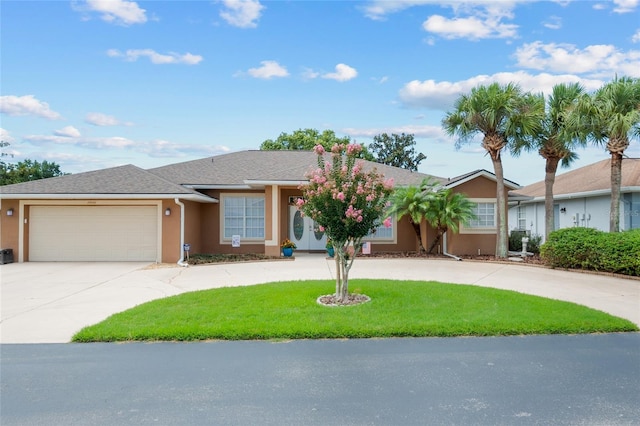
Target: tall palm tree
412,201
556,141
612,114
446,210
504,115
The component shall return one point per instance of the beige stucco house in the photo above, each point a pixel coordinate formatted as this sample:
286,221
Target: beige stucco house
241,202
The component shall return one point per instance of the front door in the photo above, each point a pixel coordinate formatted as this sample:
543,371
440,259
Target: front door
304,232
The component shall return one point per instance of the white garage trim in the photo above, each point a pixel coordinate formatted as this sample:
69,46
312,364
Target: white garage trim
121,234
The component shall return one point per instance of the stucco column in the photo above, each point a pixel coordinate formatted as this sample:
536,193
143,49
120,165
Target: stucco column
272,222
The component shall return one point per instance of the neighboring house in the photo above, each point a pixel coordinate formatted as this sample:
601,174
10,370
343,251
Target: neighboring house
241,202
582,197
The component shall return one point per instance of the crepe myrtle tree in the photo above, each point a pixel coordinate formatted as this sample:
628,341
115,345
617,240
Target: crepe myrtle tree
347,203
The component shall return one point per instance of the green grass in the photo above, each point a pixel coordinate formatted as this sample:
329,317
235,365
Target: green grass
288,310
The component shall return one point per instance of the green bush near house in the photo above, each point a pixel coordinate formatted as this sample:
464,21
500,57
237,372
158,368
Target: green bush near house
515,241
590,249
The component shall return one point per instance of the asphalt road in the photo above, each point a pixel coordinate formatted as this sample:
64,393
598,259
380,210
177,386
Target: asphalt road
533,380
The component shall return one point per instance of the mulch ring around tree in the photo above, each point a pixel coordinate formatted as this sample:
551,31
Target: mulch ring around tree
352,300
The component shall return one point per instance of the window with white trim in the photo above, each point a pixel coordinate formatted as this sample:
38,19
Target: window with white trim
522,217
244,216
485,221
382,233
485,216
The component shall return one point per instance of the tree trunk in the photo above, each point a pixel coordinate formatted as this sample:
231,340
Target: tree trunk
437,240
616,179
338,271
416,229
501,210
549,179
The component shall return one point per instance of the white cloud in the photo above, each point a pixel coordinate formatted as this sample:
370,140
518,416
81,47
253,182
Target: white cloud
26,105
70,137
242,13
475,19
625,6
441,95
309,74
132,55
68,132
553,23
636,37
431,132
596,60
472,27
268,70
343,73
165,149
120,12
378,9
100,119
92,143
5,136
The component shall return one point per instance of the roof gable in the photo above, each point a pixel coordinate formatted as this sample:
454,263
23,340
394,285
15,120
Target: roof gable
459,180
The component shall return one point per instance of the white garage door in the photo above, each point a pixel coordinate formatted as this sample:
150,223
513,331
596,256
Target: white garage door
93,233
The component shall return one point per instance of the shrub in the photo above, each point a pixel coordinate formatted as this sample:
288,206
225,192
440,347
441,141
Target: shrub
515,241
586,248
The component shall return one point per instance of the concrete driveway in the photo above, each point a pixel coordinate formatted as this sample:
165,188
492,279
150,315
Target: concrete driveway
49,302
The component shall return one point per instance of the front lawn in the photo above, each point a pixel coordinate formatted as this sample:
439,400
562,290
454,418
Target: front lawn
288,310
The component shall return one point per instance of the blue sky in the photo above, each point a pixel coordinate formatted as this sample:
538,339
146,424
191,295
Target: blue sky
100,83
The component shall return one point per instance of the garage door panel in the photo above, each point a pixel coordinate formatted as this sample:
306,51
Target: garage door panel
93,233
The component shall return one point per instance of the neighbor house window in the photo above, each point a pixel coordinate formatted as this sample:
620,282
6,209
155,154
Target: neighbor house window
522,217
485,221
243,216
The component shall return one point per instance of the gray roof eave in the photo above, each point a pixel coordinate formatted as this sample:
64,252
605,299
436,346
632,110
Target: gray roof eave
586,194
182,196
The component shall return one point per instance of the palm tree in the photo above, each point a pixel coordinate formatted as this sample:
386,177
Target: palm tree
446,210
612,114
504,115
556,141
412,201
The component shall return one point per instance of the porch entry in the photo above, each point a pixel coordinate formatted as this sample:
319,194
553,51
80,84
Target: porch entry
304,232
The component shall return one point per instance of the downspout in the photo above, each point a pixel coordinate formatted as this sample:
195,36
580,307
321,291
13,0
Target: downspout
444,247
181,262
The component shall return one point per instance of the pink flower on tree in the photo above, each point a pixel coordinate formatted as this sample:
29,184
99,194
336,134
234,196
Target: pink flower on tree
347,203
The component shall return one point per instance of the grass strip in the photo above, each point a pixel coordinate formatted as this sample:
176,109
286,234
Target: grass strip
288,310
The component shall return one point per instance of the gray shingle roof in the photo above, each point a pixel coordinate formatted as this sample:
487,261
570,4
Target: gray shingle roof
127,179
242,168
237,168
591,178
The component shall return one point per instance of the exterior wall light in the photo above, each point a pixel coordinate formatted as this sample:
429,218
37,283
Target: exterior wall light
563,210
167,212
10,212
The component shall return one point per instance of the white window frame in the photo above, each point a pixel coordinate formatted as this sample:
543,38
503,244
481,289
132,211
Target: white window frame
522,218
468,228
374,238
226,239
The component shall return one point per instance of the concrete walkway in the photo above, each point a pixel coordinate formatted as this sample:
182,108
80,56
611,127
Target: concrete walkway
49,302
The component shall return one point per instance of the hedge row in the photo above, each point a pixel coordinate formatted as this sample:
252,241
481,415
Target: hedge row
586,248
